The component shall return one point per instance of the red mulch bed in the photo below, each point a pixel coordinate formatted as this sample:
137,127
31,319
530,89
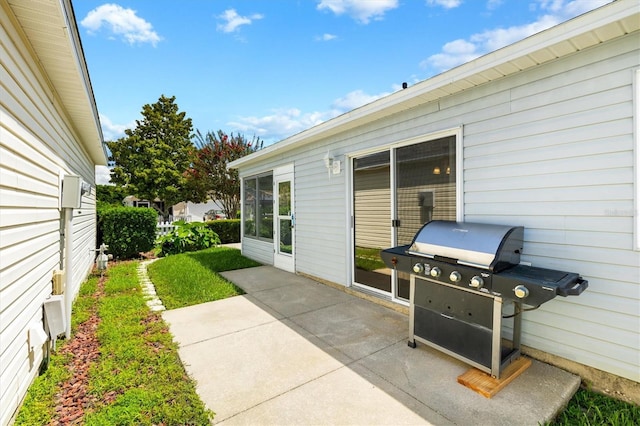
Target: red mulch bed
83,349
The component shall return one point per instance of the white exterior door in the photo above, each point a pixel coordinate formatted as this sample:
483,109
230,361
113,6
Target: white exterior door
284,219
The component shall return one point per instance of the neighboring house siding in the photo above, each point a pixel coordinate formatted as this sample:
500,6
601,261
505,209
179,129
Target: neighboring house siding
372,209
412,215
37,146
550,148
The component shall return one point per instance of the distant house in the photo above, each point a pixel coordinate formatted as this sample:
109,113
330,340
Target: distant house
542,133
50,138
132,201
186,210
194,212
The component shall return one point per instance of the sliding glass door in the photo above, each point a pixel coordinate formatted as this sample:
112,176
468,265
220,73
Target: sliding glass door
395,192
372,219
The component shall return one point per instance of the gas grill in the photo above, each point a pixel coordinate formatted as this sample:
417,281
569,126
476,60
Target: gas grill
464,276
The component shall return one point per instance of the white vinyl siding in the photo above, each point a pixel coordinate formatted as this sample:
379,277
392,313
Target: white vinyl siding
260,251
561,164
322,231
636,138
37,146
550,148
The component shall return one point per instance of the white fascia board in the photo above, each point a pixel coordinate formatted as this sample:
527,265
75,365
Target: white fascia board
609,14
92,131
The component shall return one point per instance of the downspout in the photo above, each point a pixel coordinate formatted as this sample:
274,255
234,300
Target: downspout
68,267
70,199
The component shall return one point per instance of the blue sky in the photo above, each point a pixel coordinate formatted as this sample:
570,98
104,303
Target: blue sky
273,68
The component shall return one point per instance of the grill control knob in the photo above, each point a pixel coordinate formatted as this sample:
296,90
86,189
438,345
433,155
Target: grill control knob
476,282
455,276
521,291
435,272
418,268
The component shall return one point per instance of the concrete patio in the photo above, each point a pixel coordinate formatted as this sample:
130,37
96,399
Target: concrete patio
296,352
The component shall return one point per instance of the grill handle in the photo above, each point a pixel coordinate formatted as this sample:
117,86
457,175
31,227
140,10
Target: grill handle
576,289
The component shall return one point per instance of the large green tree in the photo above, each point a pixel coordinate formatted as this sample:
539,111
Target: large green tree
152,160
209,174
110,194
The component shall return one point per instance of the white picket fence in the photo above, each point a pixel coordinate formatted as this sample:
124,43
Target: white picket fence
163,228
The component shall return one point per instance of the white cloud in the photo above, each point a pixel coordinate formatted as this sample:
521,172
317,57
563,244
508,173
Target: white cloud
360,10
233,21
112,131
280,124
568,9
493,4
453,53
491,40
286,122
353,100
447,4
121,22
326,37
460,51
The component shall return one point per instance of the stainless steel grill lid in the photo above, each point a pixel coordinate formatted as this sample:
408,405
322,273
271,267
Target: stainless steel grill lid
486,246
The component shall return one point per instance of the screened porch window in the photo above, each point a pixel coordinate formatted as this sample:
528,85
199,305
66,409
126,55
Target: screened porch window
257,208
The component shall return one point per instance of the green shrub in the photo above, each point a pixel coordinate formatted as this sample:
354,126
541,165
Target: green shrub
227,229
128,231
187,236
101,208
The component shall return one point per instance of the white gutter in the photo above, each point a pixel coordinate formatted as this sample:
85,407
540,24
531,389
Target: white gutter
606,20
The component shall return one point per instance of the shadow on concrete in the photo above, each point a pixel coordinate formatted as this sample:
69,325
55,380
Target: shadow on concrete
294,351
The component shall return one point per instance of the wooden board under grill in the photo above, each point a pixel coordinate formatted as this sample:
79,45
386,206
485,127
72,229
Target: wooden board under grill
488,386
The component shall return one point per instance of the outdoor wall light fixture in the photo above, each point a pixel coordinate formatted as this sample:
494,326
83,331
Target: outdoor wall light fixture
332,164
328,160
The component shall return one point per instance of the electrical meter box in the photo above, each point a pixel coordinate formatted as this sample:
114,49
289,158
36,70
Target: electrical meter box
71,192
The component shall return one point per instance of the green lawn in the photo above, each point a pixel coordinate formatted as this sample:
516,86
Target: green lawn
191,278
588,408
369,259
135,375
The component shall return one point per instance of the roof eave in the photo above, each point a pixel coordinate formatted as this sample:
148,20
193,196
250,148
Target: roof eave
605,23
93,131
51,30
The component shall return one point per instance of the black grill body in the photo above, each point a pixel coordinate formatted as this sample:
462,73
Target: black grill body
463,277
454,319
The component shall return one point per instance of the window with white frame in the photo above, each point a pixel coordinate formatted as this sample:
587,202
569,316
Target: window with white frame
257,207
